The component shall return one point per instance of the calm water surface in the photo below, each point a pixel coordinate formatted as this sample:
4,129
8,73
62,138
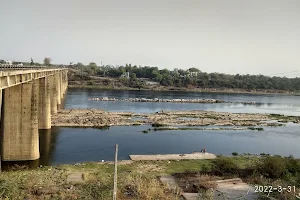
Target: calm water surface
74,145
280,104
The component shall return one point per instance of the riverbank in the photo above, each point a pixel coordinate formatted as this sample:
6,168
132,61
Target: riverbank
101,118
139,179
87,84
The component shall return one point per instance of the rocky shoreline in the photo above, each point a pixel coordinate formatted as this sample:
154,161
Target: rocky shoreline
167,100
101,118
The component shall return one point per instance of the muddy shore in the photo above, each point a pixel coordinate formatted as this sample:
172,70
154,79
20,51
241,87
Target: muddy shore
102,118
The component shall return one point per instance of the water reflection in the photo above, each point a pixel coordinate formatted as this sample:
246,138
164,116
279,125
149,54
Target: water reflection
47,143
74,145
46,146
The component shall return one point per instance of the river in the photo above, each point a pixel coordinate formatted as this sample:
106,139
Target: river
271,103
73,145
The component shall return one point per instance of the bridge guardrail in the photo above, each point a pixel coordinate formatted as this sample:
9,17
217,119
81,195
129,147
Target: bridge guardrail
24,67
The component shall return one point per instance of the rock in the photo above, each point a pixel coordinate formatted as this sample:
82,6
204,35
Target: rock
75,177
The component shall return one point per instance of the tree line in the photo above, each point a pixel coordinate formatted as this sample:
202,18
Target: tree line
191,77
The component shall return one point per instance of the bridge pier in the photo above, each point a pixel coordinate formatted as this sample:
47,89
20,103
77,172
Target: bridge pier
27,100
65,81
44,103
58,85
19,123
0,104
53,92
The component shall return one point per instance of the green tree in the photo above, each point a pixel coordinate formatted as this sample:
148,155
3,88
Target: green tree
156,76
47,61
193,69
93,66
132,77
79,65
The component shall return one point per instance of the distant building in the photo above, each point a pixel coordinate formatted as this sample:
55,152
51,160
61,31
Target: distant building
8,62
125,75
148,81
193,74
152,83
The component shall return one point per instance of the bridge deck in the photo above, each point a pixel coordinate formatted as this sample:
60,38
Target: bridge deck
14,76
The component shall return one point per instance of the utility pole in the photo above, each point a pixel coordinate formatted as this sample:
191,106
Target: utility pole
115,175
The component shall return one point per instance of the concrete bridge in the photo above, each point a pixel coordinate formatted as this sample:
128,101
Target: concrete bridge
28,98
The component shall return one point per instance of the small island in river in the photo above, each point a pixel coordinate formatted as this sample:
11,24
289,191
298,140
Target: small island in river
102,118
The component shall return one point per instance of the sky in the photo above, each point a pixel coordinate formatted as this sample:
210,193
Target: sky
232,36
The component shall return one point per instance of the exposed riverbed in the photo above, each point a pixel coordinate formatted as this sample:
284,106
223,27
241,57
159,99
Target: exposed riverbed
101,118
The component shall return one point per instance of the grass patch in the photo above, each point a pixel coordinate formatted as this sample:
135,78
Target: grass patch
256,128
126,115
187,165
188,116
138,180
158,125
210,117
284,118
136,124
275,124
276,115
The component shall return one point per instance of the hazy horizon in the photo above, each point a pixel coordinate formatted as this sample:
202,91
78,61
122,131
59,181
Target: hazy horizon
233,36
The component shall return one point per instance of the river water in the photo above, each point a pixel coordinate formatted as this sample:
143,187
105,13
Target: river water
280,104
73,145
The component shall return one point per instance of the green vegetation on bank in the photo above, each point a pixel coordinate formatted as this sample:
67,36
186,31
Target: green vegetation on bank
191,78
138,180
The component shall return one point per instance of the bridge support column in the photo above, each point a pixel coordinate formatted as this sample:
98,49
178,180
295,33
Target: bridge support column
58,85
0,104
65,81
44,104
61,85
53,94
19,123
66,75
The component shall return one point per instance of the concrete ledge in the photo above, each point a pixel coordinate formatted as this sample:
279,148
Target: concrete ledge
192,156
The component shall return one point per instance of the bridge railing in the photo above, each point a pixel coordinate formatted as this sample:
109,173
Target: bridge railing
5,67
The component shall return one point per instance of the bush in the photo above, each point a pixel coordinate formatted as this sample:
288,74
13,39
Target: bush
235,153
272,167
292,165
225,165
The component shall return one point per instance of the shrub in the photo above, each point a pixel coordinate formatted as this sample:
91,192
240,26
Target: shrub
225,165
235,153
157,125
272,167
292,165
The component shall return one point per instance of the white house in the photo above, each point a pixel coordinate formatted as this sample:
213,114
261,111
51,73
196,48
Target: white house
8,62
125,75
193,74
